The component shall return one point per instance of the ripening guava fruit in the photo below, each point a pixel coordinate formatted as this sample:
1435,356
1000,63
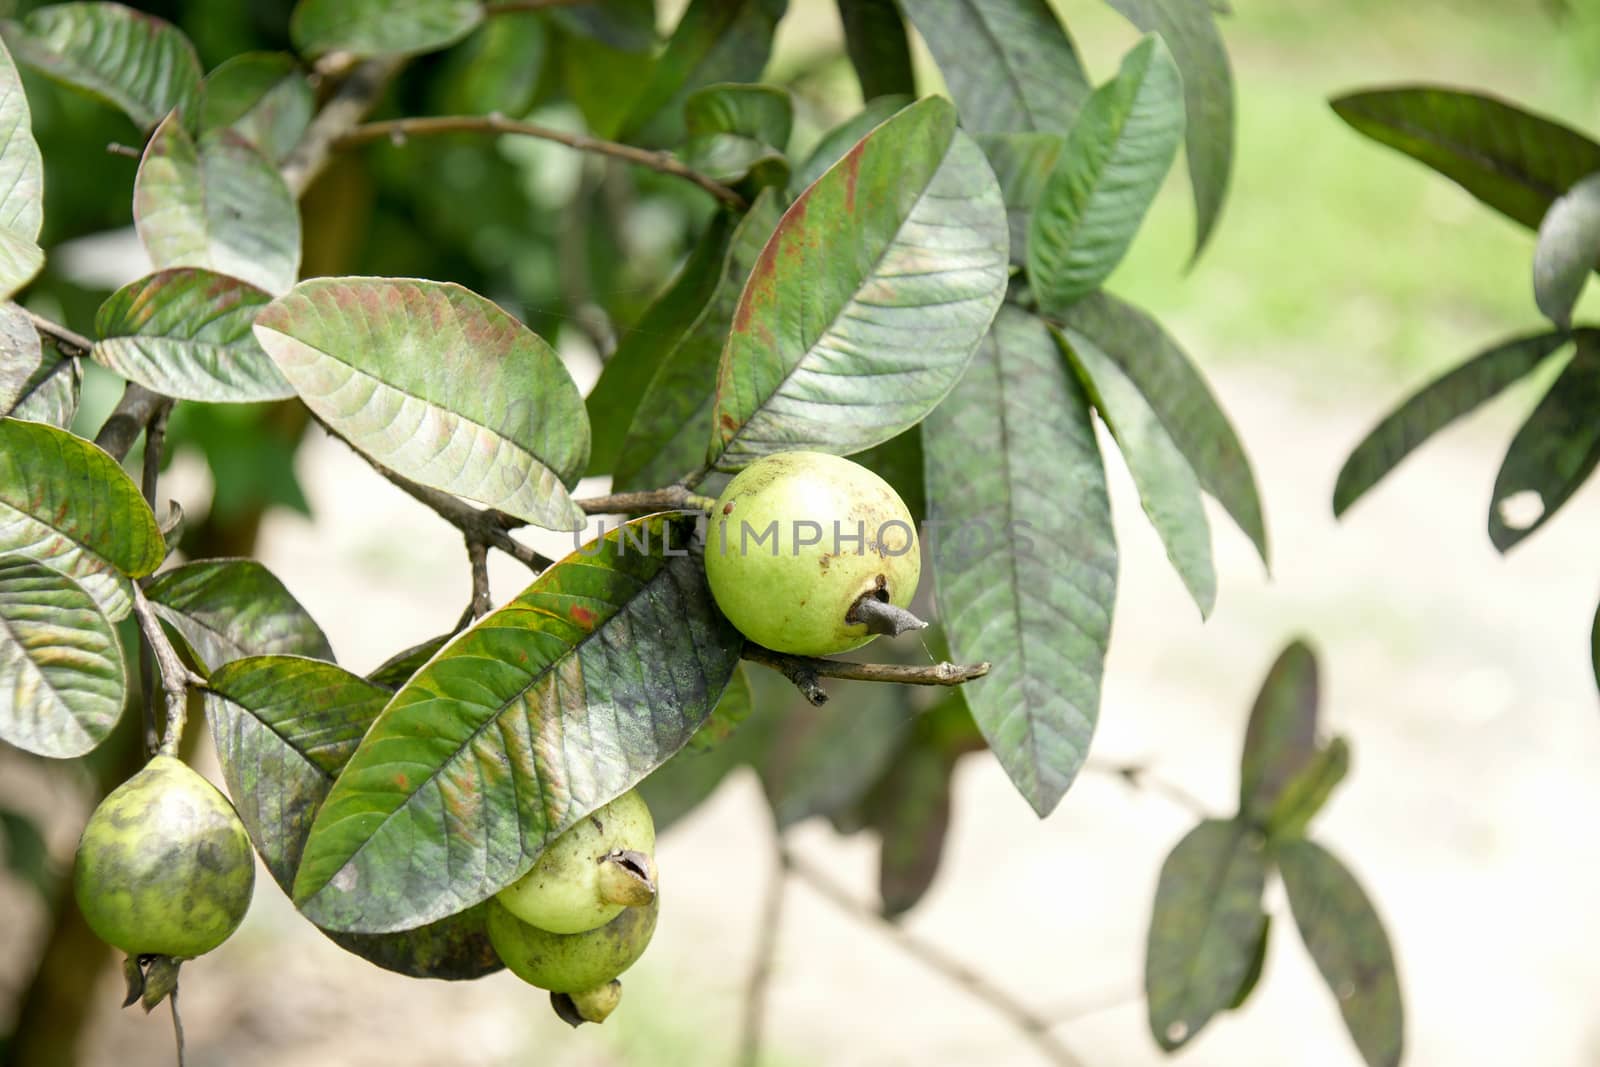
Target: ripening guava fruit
164,865
572,963
798,540
600,865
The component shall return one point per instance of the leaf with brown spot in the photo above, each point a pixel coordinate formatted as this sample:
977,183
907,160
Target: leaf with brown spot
520,727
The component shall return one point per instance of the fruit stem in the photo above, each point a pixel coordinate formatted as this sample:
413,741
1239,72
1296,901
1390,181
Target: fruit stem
882,617
175,677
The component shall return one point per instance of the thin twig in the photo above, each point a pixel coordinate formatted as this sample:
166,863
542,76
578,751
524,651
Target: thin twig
338,118
154,438
68,342
805,672
1140,776
127,151
478,557
1032,1025
755,990
398,130
129,418
175,677
488,527
177,1023
672,498
1109,1000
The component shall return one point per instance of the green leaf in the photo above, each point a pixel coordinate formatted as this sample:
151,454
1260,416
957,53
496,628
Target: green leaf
1022,163
186,333
1257,965
21,185
843,137
1181,400
62,675
283,728
824,760
1568,248
764,113
910,807
1307,793
395,671
1189,29
688,778
1025,560
50,393
216,203
1594,642
540,713
1435,406
66,504
1115,159
643,348
439,384
227,609
21,355
898,461
1205,929
673,421
1281,739
715,41
1009,63
136,62
738,700
27,853
870,298
734,160
625,25
1513,161
1346,938
875,39
1167,485
1555,450
366,28
264,97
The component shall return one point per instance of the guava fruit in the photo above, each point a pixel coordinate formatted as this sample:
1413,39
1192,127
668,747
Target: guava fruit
584,878
572,963
812,554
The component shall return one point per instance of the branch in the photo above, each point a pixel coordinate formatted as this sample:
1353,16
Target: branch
1033,1026
398,130
672,498
68,342
1140,776
338,118
755,992
478,557
154,438
805,672
175,677
487,527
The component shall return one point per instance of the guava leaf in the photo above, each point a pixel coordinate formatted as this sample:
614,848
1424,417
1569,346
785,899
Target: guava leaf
643,347
1307,792
1257,965
21,355
284,726
875,40
1568,249
1182,401
1513,161
216,203
1113,164
1555,450
1436,405
1345,937
395,671
366,28
1025,561
136,62
1205,929
1189,28
715,41
1167,485
673,421
1022,164
227,609
870,298
688,778
540,713
186,333
21,186
62,675
27,853
737,701
843,137
1009,63
50,392
439,384
625,25
264,97
1281,738
739,131
898,461
66,504
1594,642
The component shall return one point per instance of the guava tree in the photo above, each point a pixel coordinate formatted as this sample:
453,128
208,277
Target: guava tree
919,289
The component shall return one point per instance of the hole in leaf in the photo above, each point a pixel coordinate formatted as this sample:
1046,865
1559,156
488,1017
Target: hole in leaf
1521,510
1177,1031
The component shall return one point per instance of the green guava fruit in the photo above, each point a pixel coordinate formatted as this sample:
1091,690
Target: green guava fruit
799,542
572,963
584,878
164,865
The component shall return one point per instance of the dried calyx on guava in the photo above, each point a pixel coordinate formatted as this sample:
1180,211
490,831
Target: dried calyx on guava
164,872
572,963
603,863
812,554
